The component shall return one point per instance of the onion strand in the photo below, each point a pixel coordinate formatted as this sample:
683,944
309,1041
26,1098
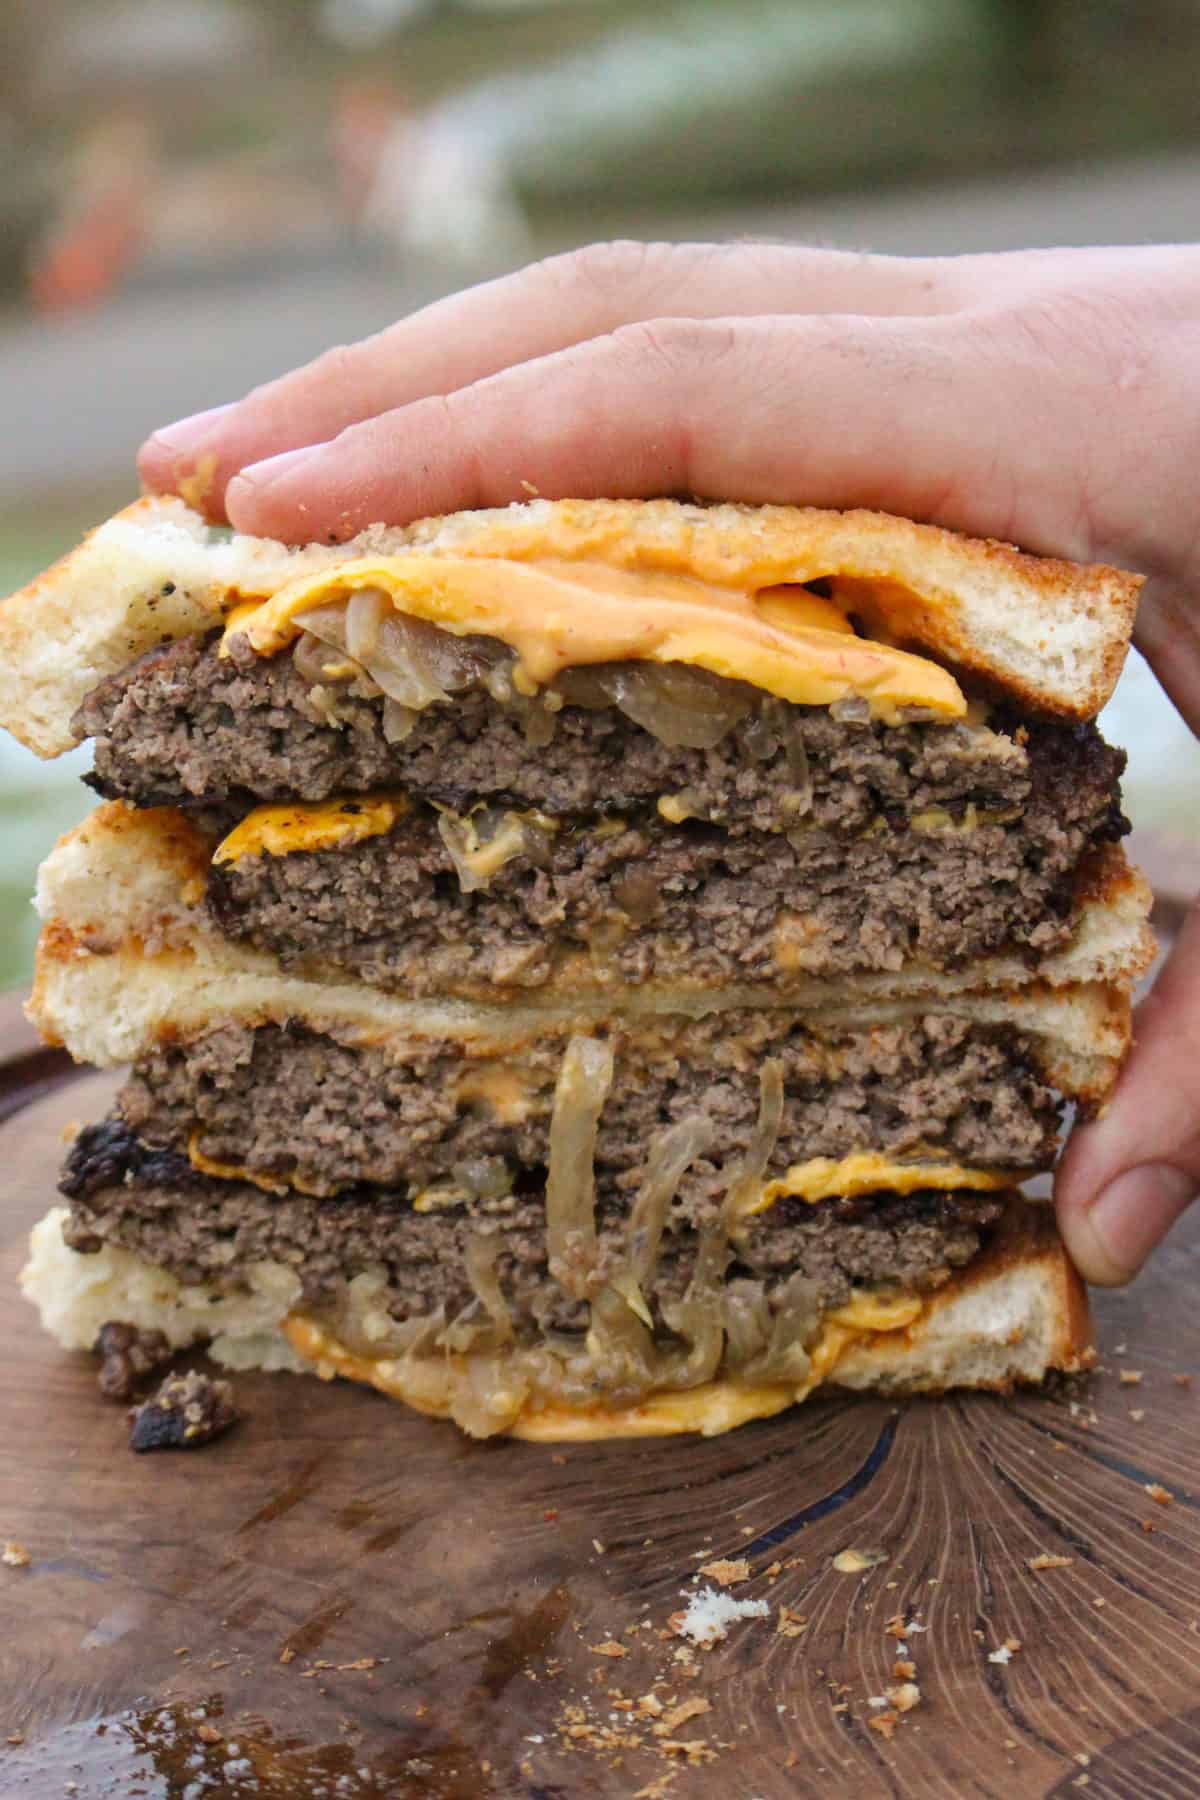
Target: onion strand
583,1085
744,1189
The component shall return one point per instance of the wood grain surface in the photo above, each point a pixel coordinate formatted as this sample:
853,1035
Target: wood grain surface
343,1601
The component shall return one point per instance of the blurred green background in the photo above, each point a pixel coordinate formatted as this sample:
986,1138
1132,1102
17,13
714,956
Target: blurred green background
200,193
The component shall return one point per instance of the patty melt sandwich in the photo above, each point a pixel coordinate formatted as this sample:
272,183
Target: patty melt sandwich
586,968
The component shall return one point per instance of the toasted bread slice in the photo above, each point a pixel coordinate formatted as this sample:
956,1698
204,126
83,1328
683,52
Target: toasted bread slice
1052,635
128,876
1016,1312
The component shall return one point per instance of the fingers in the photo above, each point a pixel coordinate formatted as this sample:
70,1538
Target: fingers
1128,1176
547,307
1168,636
844,411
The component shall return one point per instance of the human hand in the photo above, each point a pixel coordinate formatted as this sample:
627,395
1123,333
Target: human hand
1048,398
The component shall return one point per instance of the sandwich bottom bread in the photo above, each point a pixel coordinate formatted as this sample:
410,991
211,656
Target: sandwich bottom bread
1016,1311
584,970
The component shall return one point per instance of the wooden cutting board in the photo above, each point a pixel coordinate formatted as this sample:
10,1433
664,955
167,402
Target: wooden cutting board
341,1599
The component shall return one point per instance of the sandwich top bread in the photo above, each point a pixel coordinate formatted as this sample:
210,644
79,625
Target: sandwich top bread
572,583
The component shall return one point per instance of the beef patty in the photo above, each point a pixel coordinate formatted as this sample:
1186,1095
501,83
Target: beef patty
184,725
290,1104
640,900
202,1230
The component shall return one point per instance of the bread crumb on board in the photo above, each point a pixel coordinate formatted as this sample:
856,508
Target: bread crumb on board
709,1614
857,1562
725,1571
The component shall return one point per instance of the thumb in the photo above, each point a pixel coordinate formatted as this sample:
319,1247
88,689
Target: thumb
1126,1177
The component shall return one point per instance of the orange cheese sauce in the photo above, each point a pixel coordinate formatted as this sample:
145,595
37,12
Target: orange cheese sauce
557,614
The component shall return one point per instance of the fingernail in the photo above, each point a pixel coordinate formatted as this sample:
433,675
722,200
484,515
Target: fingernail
274,468
1131,1215
252,487
185,436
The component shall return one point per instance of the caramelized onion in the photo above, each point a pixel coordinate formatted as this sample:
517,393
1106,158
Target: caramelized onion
774,727
671,1152
800,798
620,1341
697,1318
326,623
365,612
401,666
743,1190
764,734
490,1395
481,844
583,1084
851,711
538,723
919,715
620,1348
484,1177
797,1314
416,664
746,1314
398,721
479,1261
639,897
683,707
313,660
586,686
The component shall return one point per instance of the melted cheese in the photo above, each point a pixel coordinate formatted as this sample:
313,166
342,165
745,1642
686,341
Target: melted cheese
939,819
675,808
271,1184
872,1312
506,1093
868,1172
711,1408
800,942
557,615
327,825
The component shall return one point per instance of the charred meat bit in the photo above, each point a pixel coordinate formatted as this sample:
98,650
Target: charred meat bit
186,1412
128,1355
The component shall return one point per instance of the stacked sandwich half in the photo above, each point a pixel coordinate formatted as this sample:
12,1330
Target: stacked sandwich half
586,968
